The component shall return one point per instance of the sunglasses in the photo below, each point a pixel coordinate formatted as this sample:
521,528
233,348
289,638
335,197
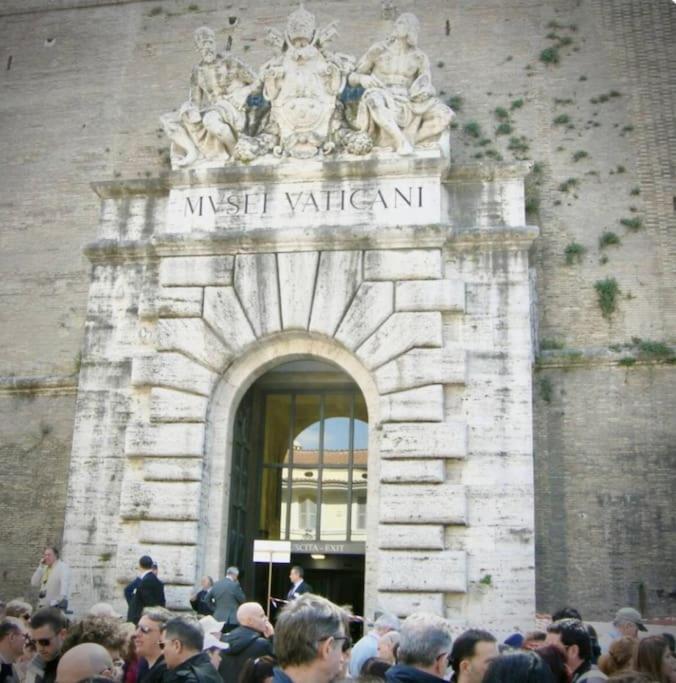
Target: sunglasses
43,642
346,641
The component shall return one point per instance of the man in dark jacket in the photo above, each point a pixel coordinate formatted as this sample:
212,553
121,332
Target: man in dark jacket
424,649
148,593
225,597
249,640
182,643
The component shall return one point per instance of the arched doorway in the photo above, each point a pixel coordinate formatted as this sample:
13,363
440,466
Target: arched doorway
299,473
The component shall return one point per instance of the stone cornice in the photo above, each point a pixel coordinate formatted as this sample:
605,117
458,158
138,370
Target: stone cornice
50,385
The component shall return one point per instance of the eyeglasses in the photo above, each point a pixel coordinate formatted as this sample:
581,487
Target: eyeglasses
43,642
346,641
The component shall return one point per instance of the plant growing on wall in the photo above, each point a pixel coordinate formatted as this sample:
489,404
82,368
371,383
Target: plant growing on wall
607,291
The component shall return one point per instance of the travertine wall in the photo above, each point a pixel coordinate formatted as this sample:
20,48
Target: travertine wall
82,87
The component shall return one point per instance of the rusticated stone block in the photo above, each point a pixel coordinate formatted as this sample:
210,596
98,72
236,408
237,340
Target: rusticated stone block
172,439
257,288
399,333
412,471
425,572
424,440
403,604
224,314
176,533
372,305
297,273
418,367
177,563
422,403
172,370
414,537
403,264
182,271
160,500
167,405
423,504
430,295
193,338
174,302
172,469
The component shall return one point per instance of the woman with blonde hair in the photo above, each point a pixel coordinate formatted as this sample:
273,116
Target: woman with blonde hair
619,657
654,658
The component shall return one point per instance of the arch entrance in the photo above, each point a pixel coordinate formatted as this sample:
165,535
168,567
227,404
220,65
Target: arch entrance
299,472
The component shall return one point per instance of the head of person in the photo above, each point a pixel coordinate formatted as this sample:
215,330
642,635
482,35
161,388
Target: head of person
388,646
533,640
425,643
471,653
374,668
671,641
232,573
573,638
620,656
258,670
148,635
20,609
145,563
50,555
296,574
182,639
518,667
566,613
386,623
103,609
206,582
205,42
13,633
48,629
104,631
311,634
154,568
407,27
84,662
629,622
555,659
252,615
655,658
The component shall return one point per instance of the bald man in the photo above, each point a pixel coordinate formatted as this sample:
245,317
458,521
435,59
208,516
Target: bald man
250,640
88,660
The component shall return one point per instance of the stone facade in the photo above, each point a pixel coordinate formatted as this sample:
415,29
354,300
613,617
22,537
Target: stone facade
128,60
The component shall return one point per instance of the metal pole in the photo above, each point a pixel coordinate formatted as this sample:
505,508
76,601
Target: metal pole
269,583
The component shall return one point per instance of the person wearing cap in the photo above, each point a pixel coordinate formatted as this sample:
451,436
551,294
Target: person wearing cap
149,592
628,622
249,640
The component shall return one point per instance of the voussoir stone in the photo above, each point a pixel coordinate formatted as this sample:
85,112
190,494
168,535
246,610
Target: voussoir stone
430,295
371,306
177,439
423,504
171,302
403,264
297,273
419,367
431,571
172,370
424,440
399,333
257,289
338,278
223,312
183,271
423,403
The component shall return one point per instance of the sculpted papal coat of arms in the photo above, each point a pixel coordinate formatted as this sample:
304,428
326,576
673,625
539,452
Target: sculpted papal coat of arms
295,106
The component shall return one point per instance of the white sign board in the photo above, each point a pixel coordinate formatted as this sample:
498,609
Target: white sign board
272,551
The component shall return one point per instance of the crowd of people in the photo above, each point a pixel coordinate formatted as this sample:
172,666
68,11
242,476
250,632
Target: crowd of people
229,640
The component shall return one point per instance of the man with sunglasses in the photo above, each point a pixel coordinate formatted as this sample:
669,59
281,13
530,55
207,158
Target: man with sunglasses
424,650
48,630
13,636
182,643
311,641
147,638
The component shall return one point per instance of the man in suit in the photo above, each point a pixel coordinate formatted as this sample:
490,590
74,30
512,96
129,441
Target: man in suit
299,586
225,597
149,591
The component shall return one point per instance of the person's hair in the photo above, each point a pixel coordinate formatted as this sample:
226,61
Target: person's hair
210,580
649,655
573,632
9,625
424,636
145,562
104,631
18,608
257,670
54,549
299,570
555,659
518,667
186,630
671,641
160,615
49,616
375,667
465,644
387,621
302,624
535,636
631,677
232,571
619,657
566,613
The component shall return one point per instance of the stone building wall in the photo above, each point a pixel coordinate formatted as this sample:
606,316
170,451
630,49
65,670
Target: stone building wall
84,82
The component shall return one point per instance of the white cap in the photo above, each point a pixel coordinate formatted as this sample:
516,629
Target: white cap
210,625
210,641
